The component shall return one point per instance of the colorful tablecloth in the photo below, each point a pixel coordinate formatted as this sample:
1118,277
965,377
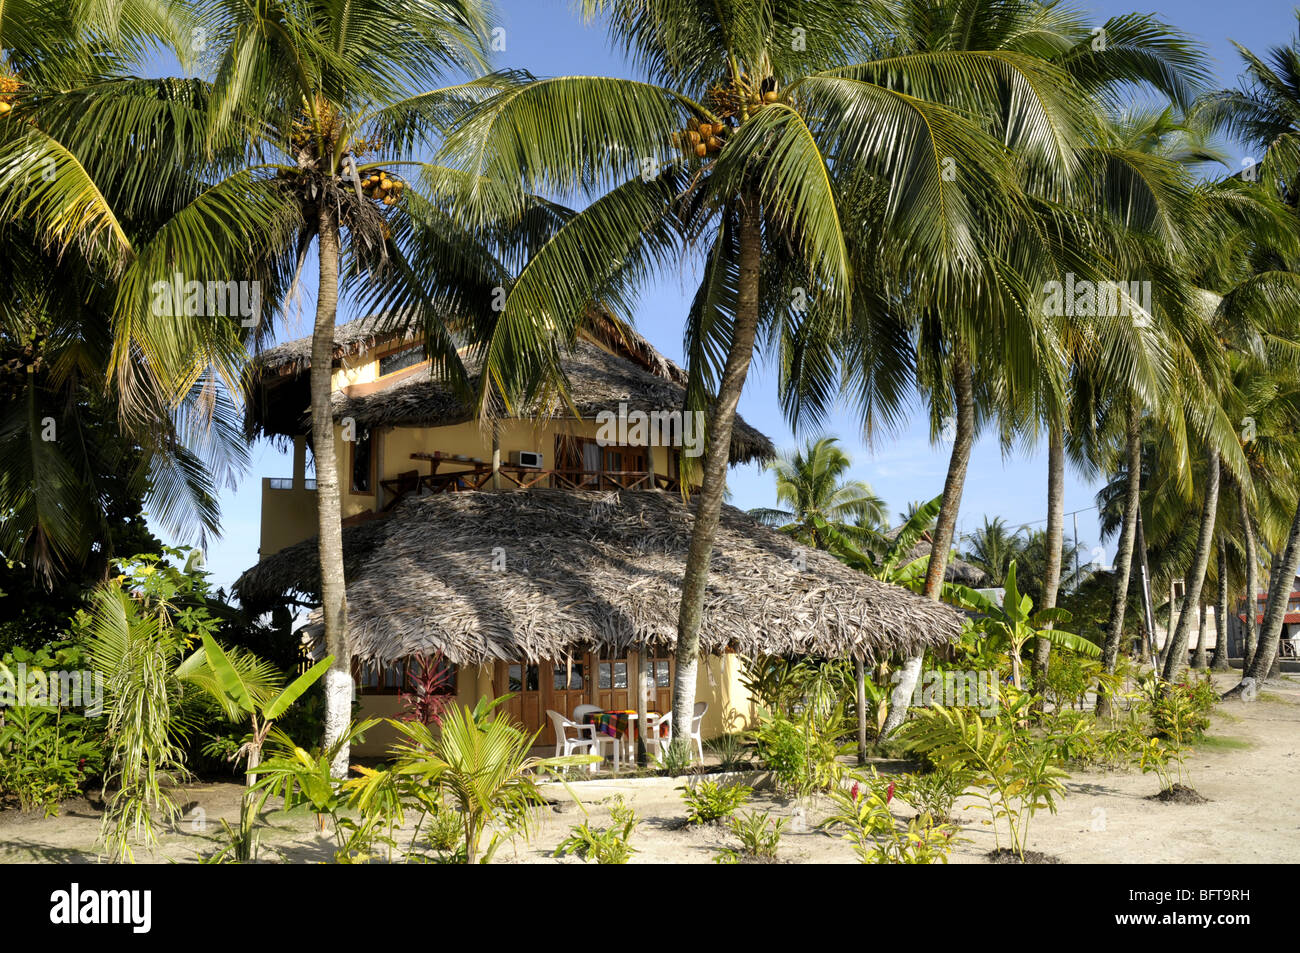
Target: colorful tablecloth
615,723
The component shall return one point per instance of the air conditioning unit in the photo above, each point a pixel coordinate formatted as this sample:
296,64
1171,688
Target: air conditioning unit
526,458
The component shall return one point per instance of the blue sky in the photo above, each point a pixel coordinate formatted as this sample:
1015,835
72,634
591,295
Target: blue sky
546,37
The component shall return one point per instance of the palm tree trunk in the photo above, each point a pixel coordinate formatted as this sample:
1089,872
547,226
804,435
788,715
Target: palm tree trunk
1124,553
1199,657
334,608
1055,535
1219,663
1148,640
945,526
1176,656
716,457
1279,594
1252,578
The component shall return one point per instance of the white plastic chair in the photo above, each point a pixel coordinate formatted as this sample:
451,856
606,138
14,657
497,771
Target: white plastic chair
603,741
696,721
564,745
658,734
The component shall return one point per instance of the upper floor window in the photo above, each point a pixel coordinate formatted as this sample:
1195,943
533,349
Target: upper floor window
401,359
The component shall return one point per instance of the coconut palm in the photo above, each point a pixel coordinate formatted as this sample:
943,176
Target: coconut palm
329,104
760,130
1264,112
81,184
810,483
993,548
996,360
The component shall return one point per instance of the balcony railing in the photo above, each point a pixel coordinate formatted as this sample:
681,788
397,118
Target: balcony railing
479,476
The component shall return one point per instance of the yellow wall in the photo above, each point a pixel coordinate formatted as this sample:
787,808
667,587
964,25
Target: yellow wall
289,516
718,683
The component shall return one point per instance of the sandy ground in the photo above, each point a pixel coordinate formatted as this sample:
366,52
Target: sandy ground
1249,768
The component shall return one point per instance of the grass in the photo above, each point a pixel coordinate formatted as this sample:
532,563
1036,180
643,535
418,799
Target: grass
1222,743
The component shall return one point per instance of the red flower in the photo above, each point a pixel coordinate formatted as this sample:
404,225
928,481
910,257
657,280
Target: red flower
854,790
889,792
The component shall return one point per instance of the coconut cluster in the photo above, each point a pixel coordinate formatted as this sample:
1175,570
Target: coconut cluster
17,365
8,86
382,187
732,104
702,138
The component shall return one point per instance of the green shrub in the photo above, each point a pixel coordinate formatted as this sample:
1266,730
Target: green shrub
46,756
604,845
933,793
1013,772
759,836
446,830
803,755
732,752
708,802
863,818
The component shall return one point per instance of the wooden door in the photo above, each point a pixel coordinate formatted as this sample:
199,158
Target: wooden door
613,683
661,675
525,706
626,467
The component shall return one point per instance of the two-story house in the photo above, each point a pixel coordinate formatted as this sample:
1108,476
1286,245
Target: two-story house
542,555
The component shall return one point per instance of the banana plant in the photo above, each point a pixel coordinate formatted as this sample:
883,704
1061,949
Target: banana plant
1014,623
210,669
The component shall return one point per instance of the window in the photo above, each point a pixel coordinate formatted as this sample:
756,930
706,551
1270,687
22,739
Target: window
372,678
401,359
611,674
568,678
661,668
522,678
362,462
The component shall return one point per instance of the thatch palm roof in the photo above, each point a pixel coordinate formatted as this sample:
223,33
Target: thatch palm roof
637,376
543,574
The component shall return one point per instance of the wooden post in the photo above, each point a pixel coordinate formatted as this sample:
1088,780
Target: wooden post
860,673
650,463
299,462
496,457
643,683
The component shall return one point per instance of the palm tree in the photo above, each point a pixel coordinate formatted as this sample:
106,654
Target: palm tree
327,104
81,185
810,483
760,131
999,362
993,548
1264,112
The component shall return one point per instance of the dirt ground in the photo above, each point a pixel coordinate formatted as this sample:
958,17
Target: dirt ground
1248,768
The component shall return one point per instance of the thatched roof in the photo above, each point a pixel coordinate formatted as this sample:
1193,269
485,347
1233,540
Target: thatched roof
637,375
585,569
